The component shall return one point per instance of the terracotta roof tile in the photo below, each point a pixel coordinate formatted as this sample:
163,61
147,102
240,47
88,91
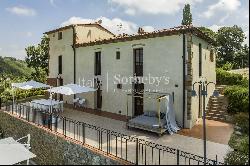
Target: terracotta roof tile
70,26
145,35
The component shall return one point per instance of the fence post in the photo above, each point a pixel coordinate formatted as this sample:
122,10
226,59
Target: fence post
107,142
56,123
83,133
216,160
178,157
137,155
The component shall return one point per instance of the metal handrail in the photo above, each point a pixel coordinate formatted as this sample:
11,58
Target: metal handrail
124,138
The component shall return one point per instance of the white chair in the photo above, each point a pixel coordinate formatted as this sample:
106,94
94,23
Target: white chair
82,102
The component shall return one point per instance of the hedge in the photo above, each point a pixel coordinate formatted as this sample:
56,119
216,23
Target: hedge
242,120
20,94
238,98
225,78
240,143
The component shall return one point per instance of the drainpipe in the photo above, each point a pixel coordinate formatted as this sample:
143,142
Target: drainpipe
184,80
74,51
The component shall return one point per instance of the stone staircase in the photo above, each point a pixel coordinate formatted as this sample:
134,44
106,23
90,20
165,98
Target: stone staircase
217,107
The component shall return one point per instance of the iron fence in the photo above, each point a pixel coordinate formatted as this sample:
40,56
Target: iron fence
129,148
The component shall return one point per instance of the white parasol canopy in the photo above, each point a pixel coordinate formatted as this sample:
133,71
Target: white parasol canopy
30,85
71,89
13,152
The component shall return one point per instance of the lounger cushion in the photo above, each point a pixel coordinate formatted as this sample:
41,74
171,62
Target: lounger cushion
147,121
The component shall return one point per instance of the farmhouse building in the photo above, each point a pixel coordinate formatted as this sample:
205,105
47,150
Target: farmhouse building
167,61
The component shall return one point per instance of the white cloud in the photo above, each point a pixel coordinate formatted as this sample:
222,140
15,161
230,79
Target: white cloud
22,11
52,2
148,28
29,34
132,7
1,49
77,20
223,19
215,27
115,25
222,5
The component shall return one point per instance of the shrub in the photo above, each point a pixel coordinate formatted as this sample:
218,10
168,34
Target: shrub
228,66
238,98
225,78
236,158
240,153
242,120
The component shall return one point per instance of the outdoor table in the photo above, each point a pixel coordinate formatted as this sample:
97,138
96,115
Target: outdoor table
13,152
46,104
49,104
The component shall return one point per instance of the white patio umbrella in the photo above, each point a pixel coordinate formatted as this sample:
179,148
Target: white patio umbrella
28,85
13,152
71,89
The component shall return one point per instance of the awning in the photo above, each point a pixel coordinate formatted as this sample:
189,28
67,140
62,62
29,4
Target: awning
12,152
71,89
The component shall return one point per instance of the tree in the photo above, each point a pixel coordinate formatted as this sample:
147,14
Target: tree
209,32
242,57
230,40
37,58
187,15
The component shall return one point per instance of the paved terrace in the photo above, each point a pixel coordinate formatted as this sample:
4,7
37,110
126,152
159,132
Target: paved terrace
218,133
190,141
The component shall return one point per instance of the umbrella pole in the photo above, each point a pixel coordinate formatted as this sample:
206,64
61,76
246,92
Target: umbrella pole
13,97
50,96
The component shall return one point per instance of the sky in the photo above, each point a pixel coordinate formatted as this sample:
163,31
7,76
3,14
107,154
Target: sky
23,22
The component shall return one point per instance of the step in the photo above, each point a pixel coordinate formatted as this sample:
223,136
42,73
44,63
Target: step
216,107
215,114
217,119
213,110
217,111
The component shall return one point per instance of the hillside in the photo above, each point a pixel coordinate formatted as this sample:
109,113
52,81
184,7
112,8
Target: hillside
14,67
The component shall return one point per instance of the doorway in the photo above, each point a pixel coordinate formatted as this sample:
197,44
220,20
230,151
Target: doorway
98,95
138,101
60,84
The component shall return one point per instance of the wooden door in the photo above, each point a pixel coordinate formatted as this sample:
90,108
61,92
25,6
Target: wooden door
98,95
138,101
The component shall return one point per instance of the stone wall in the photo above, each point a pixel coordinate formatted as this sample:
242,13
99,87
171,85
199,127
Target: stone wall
51,148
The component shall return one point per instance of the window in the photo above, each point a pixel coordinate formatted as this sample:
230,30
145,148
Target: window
119,86
59,35
200,60
118,55
98,63
60,64
138,62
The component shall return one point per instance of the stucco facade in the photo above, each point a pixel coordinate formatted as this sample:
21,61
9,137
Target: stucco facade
162,68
